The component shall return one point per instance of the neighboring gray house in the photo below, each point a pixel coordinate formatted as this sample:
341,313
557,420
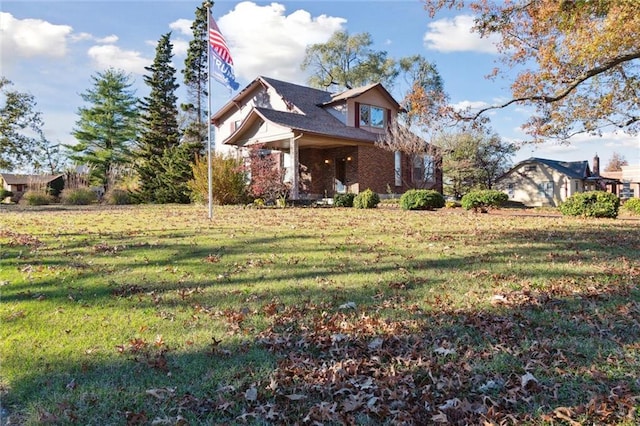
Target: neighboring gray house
541,182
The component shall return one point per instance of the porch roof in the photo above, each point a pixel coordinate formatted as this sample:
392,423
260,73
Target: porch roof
321,123
317,123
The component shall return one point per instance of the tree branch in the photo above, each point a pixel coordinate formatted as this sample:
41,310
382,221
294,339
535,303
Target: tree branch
564,93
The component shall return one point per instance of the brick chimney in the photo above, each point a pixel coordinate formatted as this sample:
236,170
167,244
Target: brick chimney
596,166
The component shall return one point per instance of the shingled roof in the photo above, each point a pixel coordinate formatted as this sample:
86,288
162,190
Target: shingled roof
572,169
19,179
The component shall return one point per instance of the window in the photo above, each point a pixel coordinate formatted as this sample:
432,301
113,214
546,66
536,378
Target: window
372,116
423,168
546,189
531,168
398,168
511,189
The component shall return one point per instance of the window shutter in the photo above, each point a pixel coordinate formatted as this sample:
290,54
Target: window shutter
356,119
388,119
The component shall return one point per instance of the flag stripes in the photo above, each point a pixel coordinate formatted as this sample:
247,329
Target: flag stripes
218,43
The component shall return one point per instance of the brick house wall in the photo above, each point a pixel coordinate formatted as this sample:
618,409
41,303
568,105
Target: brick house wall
364,167
375,169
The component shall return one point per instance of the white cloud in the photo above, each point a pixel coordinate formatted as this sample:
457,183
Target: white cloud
81,37
454,35
180,47
110,56
111,39
31,37
464,105
183,26
265,41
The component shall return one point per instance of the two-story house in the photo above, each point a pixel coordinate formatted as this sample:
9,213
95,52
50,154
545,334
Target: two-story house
326,141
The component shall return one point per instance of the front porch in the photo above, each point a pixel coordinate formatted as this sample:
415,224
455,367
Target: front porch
326,171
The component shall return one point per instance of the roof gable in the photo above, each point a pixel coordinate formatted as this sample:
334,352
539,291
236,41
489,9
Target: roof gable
298,98
359,91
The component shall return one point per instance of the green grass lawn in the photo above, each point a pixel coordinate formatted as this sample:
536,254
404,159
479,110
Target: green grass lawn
156,315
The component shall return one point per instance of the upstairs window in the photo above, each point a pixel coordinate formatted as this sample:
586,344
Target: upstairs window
372,116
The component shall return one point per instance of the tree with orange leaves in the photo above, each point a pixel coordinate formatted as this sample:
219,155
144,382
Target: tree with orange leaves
580,61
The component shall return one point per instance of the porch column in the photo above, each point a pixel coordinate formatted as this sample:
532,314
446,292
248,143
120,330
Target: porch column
295,168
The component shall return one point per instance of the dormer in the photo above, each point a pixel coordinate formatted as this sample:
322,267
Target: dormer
369,107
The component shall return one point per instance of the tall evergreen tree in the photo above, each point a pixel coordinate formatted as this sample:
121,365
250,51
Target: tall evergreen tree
196,74
163,169
107,129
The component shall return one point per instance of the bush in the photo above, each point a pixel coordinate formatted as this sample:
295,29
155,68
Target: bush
343,200
4,193
632,205
591,204
229,180
78,196
118,197
421,199
483,199
366,200
37,198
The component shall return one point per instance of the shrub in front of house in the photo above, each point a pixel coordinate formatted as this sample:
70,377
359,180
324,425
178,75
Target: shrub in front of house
482,200
77,196
36,198
228,180
343,200
367,199
591,204
632,205
117,197
421,199
4,193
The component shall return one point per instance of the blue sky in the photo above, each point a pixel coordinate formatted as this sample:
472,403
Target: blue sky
51,49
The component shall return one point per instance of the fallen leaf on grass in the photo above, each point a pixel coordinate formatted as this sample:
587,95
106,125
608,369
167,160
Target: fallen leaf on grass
440,418
565,414
136,418
375,343
296,397
444,351
348,305
450,403
160,393
528,380
251,394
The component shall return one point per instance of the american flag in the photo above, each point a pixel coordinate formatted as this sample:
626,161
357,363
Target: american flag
218,43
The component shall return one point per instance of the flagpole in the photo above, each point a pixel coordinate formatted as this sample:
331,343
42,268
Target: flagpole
209,6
